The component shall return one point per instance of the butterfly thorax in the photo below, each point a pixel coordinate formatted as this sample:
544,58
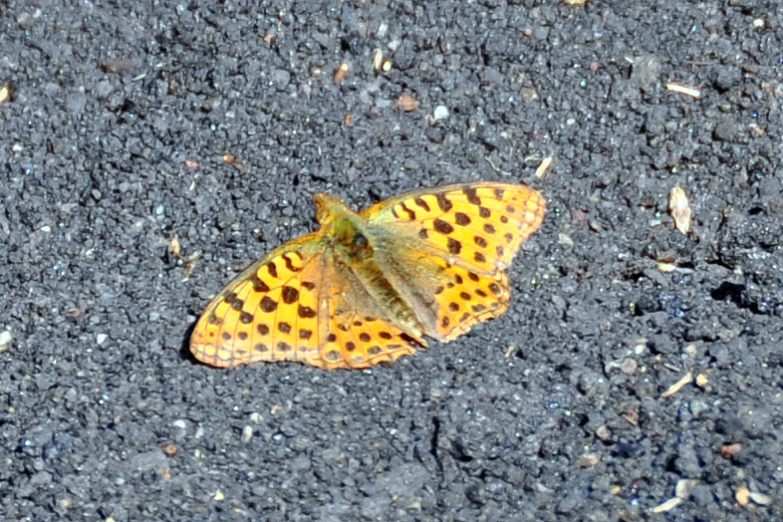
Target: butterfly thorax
343,230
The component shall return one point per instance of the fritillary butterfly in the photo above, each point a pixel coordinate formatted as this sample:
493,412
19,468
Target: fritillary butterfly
367,288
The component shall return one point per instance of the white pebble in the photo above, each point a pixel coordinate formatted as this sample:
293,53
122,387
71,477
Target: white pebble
441,112
5,340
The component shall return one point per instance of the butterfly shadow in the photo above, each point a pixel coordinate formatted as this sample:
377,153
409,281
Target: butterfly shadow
184,349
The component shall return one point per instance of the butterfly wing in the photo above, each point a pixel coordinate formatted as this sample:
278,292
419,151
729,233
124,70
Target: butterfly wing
269,312
359,332
297,304
455,243
479,226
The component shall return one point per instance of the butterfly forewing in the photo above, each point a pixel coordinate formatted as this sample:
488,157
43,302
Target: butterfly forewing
267,313
478,226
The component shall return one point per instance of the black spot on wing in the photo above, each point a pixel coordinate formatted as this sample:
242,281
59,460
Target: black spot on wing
305,312
470,192
272,268
290,294
411,213
422,203
268,304
258,284
443,202
442,226
290,265
461,219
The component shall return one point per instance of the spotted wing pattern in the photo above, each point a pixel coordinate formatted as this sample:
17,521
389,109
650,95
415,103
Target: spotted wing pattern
360,332
298,304
267,313
472,232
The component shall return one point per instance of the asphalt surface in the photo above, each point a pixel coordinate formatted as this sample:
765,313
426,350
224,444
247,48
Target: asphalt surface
114,141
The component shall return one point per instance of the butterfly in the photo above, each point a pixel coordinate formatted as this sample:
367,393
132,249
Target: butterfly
368,287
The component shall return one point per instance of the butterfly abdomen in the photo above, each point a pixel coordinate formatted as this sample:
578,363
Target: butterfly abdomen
378,286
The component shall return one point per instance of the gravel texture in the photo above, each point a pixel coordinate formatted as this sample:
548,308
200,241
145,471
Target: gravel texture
113,143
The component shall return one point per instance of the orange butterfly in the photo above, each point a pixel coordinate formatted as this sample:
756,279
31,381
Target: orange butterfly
366,288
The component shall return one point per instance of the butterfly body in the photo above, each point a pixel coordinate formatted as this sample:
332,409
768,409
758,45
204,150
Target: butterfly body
368,287
350,244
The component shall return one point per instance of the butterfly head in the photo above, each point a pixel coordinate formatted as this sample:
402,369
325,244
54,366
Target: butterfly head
328,208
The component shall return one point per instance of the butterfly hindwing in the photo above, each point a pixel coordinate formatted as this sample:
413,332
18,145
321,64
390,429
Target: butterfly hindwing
360,333
455,244
447,298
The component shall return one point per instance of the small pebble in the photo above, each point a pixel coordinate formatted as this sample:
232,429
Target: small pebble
725,131
5,340
440,113
628,366
588,460
281,78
